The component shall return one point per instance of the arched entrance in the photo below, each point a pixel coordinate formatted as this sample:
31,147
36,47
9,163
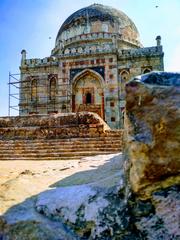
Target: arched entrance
88,94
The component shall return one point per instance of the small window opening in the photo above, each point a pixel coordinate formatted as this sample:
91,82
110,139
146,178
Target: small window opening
63,107
113,119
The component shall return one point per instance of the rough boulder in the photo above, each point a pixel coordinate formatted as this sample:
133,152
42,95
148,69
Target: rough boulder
152,131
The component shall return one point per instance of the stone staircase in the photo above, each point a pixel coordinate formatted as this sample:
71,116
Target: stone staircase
60,149
69,136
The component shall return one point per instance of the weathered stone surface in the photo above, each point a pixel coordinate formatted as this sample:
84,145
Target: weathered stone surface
97,210
164,222
52,126
111,213
152,131
57,137
28,230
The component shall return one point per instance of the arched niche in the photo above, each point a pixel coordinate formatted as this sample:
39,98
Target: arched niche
88,93
125,76
146,70
33,89
52,86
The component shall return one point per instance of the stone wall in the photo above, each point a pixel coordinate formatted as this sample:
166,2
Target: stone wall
82,124
107,57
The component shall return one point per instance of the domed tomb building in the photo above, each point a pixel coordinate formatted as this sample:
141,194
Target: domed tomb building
97,51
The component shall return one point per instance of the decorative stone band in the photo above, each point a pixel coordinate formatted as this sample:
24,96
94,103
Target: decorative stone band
106,49
54,61
92,37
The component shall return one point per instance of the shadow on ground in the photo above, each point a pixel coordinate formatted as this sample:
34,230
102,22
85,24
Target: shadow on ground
23,222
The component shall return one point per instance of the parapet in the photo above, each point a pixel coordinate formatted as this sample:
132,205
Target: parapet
140,52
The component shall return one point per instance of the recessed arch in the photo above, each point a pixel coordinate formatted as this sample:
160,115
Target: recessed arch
124,75
88,92
146,70
87,72
33,89
52,88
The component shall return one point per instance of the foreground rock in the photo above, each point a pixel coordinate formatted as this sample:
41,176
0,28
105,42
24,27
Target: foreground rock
153,131
95,213
91,211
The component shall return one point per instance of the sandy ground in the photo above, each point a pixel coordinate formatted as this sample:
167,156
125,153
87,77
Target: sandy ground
20,180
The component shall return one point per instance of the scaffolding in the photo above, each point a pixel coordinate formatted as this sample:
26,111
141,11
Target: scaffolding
13,99
22,102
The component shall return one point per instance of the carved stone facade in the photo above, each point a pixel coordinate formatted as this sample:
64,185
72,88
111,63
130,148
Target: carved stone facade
97,51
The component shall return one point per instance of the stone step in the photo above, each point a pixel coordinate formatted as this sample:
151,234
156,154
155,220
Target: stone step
55,153
52,155
47,142
31,128
62,139
45,151
60,149
112,132
48,158
59,145
43,159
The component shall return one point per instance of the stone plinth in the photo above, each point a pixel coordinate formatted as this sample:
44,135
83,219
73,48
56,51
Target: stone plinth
69,125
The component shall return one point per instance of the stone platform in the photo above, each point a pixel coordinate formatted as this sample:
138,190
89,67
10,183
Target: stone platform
54,137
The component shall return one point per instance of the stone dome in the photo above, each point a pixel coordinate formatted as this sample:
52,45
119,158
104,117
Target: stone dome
98,18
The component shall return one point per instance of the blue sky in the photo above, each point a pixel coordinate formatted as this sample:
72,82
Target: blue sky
33,25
